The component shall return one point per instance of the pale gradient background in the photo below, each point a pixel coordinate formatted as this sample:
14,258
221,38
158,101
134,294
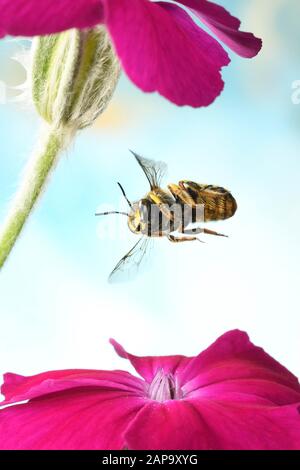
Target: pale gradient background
57,309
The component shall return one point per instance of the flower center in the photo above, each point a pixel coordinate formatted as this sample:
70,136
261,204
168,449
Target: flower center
164,387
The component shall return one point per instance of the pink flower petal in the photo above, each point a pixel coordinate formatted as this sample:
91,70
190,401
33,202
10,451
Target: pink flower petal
162,49
232,360
174,425
225,27
37,17
234,357
148,366
205,425
72,420
234,396
259,391
238,426
17,388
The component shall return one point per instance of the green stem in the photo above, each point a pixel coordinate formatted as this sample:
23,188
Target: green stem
31,187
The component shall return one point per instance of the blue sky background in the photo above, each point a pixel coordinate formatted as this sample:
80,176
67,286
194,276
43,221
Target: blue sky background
57,309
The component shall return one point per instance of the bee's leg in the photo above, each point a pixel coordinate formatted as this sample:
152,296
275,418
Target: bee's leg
181,195
174,239
202,230
212,232
192,231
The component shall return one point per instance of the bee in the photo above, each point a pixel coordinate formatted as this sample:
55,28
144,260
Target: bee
174,213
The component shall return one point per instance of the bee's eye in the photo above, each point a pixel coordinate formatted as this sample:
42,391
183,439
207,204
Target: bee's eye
138,228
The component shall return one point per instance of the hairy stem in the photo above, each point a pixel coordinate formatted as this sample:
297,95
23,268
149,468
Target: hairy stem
33,182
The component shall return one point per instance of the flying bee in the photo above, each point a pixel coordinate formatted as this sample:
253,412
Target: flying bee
174,213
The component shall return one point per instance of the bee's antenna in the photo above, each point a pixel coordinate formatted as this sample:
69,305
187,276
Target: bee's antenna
112,212
124,194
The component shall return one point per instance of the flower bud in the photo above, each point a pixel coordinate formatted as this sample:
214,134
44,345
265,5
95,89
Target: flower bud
74,75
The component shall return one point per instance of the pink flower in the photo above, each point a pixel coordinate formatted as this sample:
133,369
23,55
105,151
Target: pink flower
232,396
160,47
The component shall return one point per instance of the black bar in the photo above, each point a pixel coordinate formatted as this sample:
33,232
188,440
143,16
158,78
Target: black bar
136,459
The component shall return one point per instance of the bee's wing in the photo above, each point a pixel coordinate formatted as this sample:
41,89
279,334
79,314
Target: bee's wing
128,267
154,171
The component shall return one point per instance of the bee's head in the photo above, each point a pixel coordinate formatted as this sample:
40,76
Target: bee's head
134,219
138,215
138,218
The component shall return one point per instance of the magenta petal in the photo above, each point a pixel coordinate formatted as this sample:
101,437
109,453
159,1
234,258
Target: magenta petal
234,357
72,420
174,425
208,425
162,49
148,366
225,27
254,390
38,17
246,427
17,388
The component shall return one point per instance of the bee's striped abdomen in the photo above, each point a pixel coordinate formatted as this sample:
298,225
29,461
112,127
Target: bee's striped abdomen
219,204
